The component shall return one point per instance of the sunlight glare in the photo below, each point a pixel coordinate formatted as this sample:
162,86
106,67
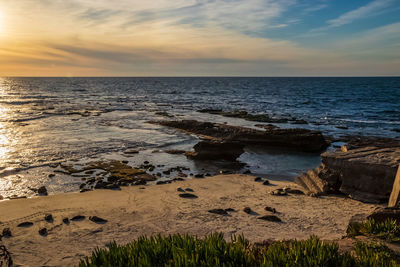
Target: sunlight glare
1,22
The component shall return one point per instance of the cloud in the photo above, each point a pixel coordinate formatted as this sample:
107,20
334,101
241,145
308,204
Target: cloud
370,9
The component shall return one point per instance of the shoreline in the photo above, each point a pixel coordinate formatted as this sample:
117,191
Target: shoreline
133,211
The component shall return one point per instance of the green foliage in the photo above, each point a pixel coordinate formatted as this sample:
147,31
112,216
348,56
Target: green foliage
373,254
388,230
214,250
311,252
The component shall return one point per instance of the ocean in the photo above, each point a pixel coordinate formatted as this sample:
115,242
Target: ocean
47,121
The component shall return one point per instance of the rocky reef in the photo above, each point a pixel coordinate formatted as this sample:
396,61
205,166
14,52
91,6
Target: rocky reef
296,139
364,170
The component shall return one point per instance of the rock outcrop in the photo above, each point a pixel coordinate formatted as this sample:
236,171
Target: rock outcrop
363,173
210,150
297,139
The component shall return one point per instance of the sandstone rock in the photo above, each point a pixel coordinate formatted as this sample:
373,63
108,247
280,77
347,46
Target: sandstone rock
298,139
362,173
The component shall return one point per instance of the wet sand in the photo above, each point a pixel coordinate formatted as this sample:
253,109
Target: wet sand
136,211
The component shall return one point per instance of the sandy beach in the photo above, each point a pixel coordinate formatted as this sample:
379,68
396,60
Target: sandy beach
136,211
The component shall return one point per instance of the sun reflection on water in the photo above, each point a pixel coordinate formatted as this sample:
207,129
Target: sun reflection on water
5,141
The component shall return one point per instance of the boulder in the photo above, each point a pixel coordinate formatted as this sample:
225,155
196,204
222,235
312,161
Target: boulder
297,139
211,150
42,191
363,173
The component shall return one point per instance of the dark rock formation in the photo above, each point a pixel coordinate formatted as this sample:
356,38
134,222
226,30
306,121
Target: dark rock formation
49,218
25,224
270,218
78,218
210,150
247,210
43,232
219,211
42,191
6,233
97,220
363,173
188,195
271,209
297,139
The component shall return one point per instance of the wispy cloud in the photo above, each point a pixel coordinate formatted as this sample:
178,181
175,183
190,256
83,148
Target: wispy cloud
368,10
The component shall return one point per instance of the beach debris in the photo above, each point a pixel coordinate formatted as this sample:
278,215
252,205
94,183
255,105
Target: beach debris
25,224
180,189
188,195
258,179
271,209
247,210
266,182
219,211
49,218
270,218
42,191
98,220
78,218
65,220
278,192
6,232
43,232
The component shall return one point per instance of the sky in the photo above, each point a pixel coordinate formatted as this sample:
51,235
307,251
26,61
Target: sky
199,38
